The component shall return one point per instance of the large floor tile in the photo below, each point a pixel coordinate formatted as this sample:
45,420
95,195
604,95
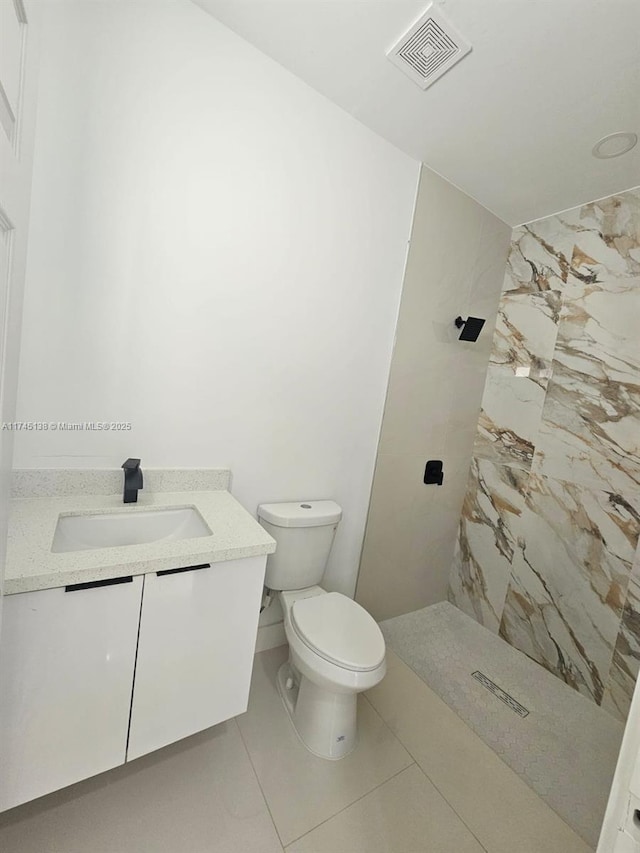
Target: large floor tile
497,806
197,796
405,814
302,790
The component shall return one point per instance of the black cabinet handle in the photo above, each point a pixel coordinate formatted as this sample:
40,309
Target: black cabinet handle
186,569
74,587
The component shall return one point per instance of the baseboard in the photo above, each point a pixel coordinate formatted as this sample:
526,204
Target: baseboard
270,636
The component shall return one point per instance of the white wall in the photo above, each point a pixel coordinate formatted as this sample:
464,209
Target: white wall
216,256
455,266
19,49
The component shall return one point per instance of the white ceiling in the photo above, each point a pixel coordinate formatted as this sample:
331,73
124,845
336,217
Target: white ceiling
512,125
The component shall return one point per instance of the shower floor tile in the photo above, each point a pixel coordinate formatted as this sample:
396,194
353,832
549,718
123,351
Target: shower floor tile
565,748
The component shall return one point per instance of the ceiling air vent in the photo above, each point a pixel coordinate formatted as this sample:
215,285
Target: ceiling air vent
429,49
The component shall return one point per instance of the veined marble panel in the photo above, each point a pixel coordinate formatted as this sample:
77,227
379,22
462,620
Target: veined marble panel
598,331
509,418
562,400
607,241
590,428
487,541
626,656
540,257
569,580
590,432
526,332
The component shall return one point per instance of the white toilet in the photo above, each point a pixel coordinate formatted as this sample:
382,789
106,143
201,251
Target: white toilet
336,650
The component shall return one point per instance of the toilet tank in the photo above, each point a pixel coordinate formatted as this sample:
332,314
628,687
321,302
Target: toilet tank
304,532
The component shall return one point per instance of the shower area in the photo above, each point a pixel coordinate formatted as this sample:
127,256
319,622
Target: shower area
513,590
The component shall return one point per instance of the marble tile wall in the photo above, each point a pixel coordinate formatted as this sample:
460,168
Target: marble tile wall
547,553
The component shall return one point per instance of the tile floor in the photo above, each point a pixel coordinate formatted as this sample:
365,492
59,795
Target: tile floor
419,780
565,749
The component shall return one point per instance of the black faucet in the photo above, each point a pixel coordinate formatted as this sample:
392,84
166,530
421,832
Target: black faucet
132,480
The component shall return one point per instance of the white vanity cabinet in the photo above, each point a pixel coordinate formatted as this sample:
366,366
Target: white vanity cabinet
67,659
143,660
195,650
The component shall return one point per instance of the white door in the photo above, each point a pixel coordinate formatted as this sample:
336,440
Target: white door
195,650
19,33
67,658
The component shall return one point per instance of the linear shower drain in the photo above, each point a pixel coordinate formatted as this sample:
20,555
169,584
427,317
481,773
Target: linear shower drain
501,694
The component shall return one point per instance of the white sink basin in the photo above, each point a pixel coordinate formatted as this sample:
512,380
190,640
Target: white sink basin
134,527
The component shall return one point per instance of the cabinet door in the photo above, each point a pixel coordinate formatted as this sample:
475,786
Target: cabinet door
195,650
66,673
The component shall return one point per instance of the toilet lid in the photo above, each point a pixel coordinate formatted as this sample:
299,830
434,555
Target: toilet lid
339,630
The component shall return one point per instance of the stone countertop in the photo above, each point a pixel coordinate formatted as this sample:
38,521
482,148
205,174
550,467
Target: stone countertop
31,565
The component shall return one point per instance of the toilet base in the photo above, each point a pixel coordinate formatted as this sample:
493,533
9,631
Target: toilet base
325,721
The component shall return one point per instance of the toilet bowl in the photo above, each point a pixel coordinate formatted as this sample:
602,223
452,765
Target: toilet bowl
336,649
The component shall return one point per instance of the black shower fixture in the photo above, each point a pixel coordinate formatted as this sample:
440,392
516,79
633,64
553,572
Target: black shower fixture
471,328
433,473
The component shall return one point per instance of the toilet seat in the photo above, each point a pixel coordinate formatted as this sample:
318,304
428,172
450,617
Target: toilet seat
339,630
